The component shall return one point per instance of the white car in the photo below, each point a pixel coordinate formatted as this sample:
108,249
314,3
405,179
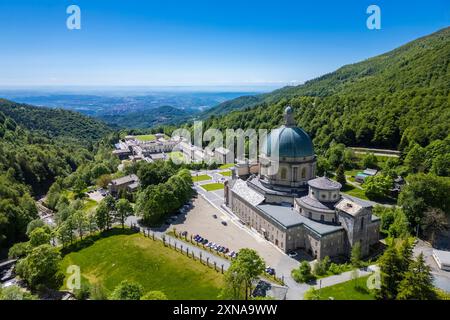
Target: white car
292,254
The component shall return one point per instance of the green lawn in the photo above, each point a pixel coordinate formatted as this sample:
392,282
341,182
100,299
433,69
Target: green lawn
146,137
177,155
348,291
202,177
119,256
226,173
226,166
212,186
89,205
353,191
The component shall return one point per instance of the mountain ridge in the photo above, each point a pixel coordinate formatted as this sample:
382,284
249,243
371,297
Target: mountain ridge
388,101
331,82
55,122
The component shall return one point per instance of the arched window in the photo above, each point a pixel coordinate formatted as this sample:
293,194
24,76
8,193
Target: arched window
322,217
310,215
303,173
283,173
295,174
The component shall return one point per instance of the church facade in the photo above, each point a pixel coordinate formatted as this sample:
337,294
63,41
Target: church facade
291,207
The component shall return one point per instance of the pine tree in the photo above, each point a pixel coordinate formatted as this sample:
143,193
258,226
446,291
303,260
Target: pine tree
340,175
417,283
405,253
390,274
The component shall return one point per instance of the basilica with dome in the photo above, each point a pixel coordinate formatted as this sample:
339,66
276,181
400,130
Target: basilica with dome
282,199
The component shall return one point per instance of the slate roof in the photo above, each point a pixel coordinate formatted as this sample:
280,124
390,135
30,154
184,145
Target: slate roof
127,179
248,194
287,217
324,183
255,182
313,203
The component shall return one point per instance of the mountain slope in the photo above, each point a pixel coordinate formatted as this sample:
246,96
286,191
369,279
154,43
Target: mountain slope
55,122
231,105
387,101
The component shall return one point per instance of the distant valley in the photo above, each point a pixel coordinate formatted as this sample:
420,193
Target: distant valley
131,110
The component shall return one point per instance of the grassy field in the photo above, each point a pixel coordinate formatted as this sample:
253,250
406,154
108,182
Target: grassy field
353,191
212,186
146,137
348,291
89,205
226,173
202,177
119,256
226,166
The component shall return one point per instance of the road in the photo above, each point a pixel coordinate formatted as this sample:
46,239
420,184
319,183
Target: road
441,277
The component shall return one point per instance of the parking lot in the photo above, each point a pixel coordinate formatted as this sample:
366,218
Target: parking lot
200,220
96,195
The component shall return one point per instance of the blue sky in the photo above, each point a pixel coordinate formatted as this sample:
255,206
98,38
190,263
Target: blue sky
135,42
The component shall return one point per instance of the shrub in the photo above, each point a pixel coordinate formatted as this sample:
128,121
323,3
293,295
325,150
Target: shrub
321,267
19,250
303,273
154,295
127,290
84,292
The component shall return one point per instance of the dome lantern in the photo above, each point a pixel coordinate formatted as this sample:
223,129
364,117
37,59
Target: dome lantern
289,120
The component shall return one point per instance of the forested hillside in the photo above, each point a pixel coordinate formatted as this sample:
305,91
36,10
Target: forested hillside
55,122
29,164
389,101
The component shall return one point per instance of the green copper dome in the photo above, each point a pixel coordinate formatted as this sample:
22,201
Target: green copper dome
290,140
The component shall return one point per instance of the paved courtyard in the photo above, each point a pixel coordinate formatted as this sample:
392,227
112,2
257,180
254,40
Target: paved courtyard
200,220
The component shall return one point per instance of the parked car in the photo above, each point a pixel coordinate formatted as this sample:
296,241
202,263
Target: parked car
226,250
184,233
214,216
224,223
205,241
270,271
231,253
209,244
292,254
